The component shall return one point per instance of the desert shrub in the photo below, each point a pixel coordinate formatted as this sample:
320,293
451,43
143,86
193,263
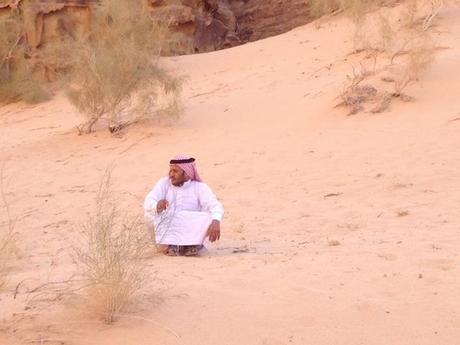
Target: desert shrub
355,95
404,47
418,57
116,73
407,43
109,259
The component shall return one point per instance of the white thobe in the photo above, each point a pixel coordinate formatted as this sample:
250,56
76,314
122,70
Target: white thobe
191,209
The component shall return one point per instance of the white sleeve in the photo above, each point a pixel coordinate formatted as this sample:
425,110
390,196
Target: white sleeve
150,203
209,202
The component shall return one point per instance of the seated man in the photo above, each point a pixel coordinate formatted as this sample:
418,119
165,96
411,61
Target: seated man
183,210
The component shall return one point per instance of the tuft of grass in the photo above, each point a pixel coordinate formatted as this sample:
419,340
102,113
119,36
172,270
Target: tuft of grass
355,95
110,258
8,247
116,76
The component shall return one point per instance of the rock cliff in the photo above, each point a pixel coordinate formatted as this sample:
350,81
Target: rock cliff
196,25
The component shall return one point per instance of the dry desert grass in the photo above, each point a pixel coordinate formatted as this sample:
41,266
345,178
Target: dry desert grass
396,50
8,246
109,259
116,77
111,73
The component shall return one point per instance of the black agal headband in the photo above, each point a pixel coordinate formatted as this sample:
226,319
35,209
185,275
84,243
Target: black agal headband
181,161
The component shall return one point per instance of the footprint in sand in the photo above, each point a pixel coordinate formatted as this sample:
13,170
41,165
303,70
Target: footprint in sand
440,264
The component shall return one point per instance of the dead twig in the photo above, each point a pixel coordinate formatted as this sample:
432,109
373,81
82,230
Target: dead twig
7,57
70,280
436,6
41,341
332,194
16,290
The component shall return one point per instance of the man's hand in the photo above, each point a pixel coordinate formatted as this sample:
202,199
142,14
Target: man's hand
214,230
162,205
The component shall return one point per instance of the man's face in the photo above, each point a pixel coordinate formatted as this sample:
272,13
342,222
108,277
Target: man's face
177,175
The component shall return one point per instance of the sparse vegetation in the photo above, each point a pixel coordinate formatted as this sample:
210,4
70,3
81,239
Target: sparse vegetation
109,258
7,235
399,48
116,73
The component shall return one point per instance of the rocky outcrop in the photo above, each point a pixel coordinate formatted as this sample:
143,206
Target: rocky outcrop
259,19
9,4
195,25
217,24
198,25
45,20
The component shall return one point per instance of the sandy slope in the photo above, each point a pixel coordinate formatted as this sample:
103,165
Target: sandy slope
260,120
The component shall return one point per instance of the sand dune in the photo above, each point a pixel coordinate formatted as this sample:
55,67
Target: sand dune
293,172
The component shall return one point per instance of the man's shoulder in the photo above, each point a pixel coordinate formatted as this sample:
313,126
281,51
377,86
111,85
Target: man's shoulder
202,185
197,183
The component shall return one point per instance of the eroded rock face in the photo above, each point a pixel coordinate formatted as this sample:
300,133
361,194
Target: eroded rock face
259,19
196,25
216,24
48,19
205,25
